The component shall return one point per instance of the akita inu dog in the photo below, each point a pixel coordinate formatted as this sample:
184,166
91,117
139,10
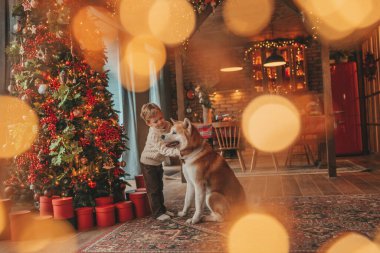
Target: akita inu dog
209,178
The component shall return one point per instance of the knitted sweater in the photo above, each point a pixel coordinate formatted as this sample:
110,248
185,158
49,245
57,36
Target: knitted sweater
155,150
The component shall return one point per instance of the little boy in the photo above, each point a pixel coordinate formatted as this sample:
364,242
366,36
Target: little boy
153,155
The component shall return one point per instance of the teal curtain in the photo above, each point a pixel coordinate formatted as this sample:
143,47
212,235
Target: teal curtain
128,103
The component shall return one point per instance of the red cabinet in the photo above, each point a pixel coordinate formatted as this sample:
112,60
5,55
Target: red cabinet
348,138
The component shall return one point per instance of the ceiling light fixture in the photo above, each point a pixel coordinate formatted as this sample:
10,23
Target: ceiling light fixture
274,60
231,69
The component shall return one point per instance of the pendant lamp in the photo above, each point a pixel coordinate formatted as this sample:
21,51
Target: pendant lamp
274,60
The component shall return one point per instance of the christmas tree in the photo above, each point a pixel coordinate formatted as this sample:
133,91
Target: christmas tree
80,141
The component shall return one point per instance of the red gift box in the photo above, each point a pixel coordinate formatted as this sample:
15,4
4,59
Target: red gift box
105,215
124,211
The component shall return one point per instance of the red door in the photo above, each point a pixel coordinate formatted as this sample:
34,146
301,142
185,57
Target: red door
348,138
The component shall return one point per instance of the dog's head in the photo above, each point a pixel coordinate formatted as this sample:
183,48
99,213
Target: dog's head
182,135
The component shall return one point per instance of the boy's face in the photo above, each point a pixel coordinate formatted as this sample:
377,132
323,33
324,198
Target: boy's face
157,121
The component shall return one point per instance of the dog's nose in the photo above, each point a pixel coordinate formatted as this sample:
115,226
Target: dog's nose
163,137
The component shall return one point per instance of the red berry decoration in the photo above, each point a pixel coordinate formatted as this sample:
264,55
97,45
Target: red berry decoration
92,184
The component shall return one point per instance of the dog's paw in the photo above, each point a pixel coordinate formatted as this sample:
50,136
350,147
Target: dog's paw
193,220
181,214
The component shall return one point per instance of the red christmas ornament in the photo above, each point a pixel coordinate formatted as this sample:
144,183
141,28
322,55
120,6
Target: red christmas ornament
92,184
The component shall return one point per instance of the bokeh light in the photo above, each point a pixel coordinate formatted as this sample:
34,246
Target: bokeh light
353,243
105,22
172,21
135,83
271,123
247,17
134,16
257,233
144,55
86,31
339,19
18,126
43,233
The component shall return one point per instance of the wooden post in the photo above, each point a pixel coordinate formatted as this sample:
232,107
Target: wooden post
179,84
3,37
329,114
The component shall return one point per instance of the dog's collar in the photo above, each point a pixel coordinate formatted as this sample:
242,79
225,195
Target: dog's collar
192,153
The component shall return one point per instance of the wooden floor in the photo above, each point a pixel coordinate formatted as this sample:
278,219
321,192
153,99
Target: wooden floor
259,186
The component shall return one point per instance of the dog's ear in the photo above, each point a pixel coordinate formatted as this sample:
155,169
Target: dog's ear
173,120
187,124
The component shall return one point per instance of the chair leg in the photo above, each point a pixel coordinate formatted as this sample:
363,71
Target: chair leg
310,152
242,165
274,158
306,153
288,161
253,161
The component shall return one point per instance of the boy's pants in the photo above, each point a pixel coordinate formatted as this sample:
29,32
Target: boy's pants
154,186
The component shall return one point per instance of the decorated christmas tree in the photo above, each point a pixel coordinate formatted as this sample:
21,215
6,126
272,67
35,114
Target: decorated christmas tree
80,142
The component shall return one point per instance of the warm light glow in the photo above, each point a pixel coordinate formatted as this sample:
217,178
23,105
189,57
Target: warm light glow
86,31
274,64
338,19
145,55
43,232
18,126
271,123
105,22
135,83
247,17
257,233
134,16
172,21
231,69
353,243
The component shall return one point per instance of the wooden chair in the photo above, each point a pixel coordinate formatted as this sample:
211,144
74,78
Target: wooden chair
228,135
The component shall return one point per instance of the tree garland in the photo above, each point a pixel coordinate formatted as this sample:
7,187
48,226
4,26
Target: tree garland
277,43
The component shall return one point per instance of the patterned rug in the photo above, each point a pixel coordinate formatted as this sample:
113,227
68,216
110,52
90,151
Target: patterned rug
342,166
310,222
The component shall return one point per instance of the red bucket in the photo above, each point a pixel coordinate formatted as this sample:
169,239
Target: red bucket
85,218
19,221
105,215
124,211
46,205
5,209
141,190
141,204
140,181
104,201
63,208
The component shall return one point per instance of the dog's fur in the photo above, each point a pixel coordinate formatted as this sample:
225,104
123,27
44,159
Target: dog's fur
209,178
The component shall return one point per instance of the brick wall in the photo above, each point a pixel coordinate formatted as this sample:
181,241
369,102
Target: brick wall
314,67
201,66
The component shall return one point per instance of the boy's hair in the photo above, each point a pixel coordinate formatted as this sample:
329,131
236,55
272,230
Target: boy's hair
149,110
